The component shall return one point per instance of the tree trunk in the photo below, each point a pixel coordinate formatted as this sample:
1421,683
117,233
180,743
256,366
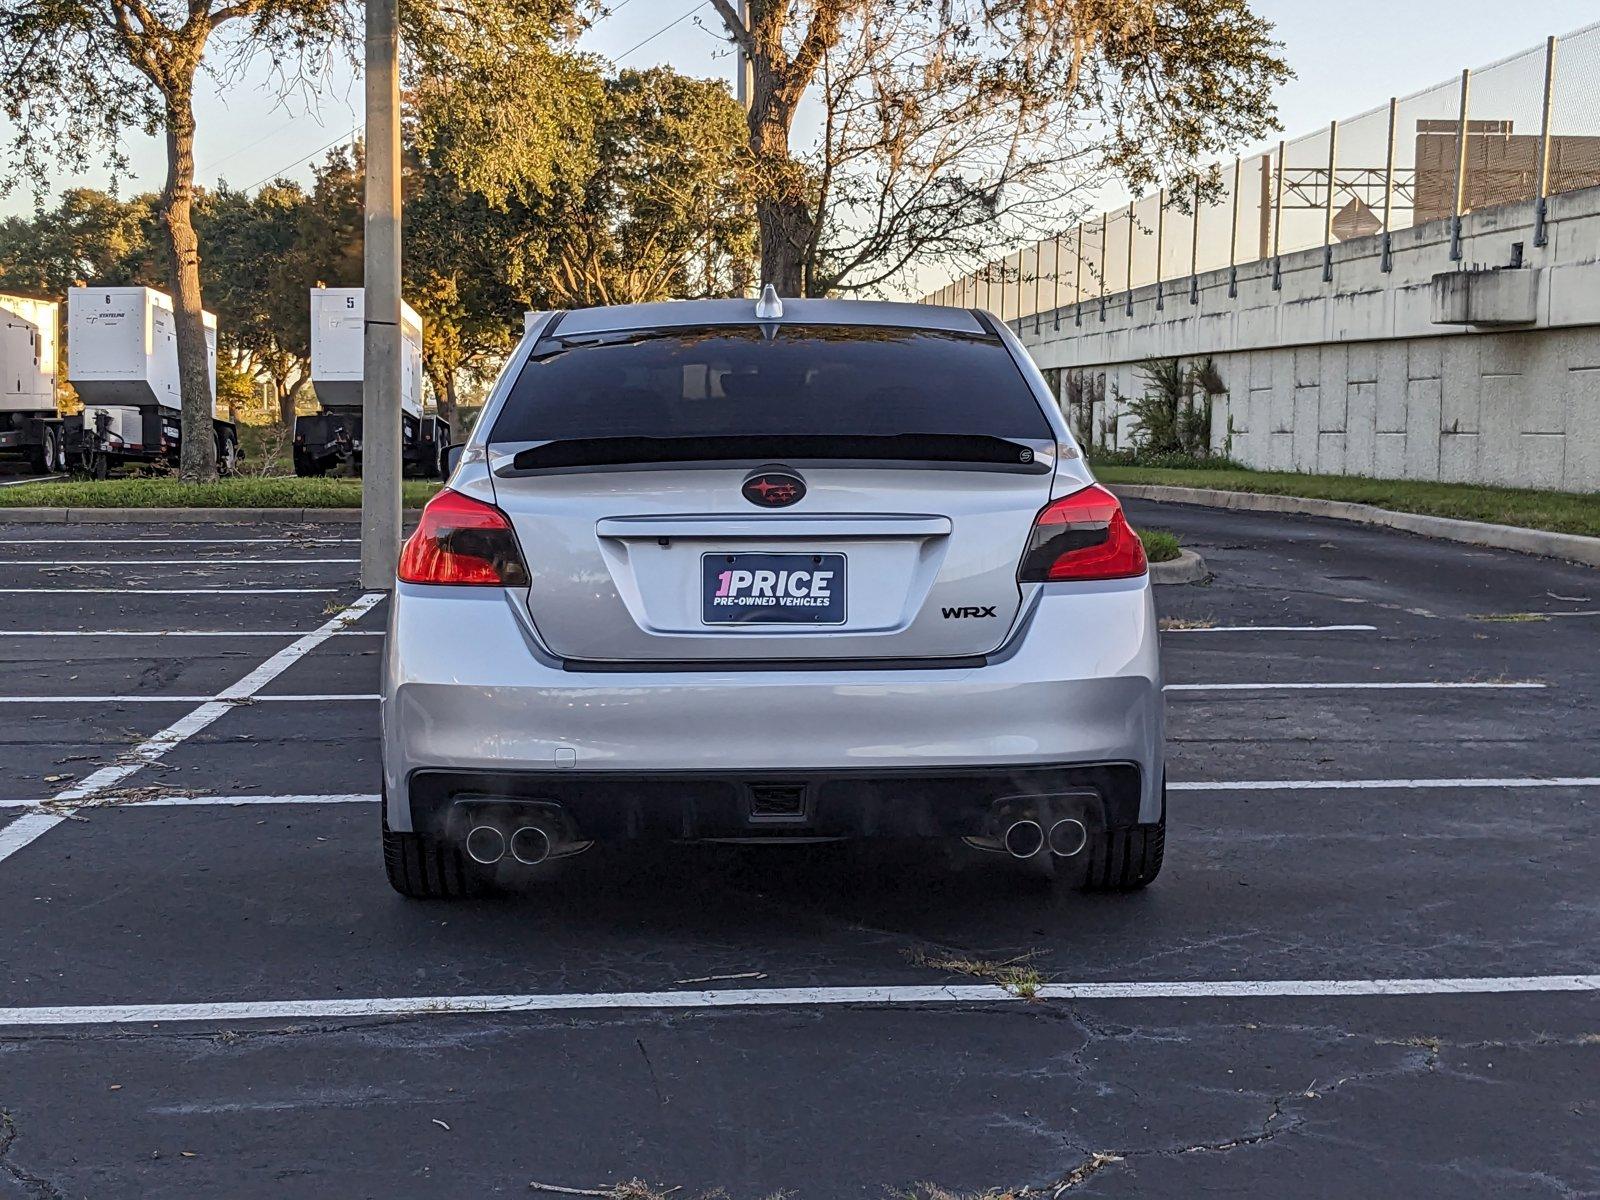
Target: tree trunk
447,407
782,214
285,402
199,460
785,226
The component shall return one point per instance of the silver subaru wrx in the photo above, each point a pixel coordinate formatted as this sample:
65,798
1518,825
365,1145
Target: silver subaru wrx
775,571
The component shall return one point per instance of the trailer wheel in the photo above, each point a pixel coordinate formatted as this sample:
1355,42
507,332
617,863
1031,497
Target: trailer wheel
60,464
227,452
47,452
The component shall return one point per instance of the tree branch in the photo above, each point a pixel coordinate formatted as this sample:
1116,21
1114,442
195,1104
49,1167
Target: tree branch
736,30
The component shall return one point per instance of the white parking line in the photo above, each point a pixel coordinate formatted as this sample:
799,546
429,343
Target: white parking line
127,591
172,562
1346,687
176,633
233,801
153,748
1340,785
226,701
1275,629
1226,785
327,697
795,997
107,700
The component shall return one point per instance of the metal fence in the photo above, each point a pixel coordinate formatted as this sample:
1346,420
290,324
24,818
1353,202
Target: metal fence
1524,128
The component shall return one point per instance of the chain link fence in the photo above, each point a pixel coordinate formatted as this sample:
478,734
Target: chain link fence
1522,129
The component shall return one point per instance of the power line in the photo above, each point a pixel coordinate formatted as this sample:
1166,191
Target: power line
351,132
679,21
270,175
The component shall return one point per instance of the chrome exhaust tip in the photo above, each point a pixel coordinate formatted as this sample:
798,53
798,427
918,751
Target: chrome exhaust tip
485,845
1067,837
1023,839
530,845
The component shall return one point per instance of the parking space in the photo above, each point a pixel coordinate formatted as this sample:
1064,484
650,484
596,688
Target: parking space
1230,1030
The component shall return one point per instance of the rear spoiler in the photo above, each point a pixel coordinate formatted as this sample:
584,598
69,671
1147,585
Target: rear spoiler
930,448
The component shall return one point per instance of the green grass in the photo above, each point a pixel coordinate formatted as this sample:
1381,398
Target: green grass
1562,512
1159,545
275,491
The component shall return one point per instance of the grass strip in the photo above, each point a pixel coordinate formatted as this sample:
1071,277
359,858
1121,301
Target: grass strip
276,491
1528,508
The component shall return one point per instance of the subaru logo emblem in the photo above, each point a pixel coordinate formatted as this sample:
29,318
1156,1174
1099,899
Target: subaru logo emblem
773,489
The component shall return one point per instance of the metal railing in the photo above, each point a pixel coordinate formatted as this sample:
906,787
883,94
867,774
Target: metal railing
1522,129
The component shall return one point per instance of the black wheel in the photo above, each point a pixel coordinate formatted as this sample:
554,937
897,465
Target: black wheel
59,465
47,453
1124,860
227,452
426,868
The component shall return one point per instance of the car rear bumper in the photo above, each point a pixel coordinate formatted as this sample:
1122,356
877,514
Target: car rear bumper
472,703
614,806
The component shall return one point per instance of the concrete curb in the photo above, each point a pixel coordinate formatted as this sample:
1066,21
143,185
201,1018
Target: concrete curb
181,516
1573,547
1188,567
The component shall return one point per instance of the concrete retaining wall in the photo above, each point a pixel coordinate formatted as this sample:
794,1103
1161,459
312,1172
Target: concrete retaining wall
1361,375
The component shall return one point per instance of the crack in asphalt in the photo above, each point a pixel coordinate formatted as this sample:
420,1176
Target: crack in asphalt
36,1185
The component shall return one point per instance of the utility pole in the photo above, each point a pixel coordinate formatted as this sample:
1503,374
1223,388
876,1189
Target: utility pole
743,83
380,387
744,92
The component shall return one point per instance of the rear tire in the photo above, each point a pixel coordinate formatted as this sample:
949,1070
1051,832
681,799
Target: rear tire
427,868
1124,860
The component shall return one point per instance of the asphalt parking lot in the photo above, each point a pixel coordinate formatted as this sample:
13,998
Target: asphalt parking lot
1384,768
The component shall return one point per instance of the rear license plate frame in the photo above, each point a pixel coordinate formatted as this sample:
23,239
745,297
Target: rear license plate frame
720,610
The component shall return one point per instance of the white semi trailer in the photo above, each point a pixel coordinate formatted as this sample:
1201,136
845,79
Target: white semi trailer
123,362
332,437
30,425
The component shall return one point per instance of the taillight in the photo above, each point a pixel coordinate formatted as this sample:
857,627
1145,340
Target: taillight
463,542
1082,536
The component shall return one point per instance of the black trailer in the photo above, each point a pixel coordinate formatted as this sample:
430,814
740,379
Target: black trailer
331,440
40,438
101,439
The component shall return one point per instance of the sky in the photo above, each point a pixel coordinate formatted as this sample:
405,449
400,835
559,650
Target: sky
1347,55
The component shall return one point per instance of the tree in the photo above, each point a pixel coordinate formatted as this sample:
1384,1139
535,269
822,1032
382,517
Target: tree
253,269
90,236
669,207
562,187
75,75
950,127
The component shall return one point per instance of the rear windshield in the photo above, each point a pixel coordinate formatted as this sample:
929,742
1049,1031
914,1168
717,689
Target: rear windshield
784,380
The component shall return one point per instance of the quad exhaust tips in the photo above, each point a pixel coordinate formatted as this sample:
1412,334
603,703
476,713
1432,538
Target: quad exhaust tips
529,845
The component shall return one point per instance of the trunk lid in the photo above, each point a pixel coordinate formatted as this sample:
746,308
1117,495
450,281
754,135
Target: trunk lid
761,493
627,566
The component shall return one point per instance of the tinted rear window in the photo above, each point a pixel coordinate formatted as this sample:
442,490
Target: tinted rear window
732,381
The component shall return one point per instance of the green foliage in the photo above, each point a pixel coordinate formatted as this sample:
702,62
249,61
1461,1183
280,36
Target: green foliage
669,208
89,235
1174,412
271,492
1159,545
1172,460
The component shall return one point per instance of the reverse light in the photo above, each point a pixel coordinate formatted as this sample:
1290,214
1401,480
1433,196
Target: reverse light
464,543
1082,536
